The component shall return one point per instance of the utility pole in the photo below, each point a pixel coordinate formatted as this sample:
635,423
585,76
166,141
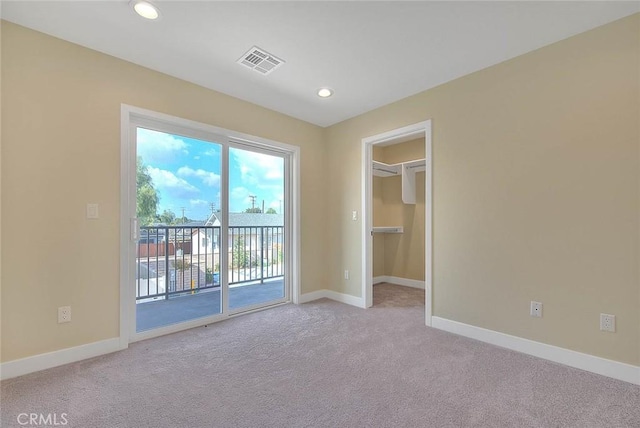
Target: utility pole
183,218
253,201
263,206
213,207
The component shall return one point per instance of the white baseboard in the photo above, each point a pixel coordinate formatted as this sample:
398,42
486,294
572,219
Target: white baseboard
601,366
314,295
413,283
333,295
346,298
48,360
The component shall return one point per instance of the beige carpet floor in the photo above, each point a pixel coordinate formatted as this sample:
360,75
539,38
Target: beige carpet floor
387,295
322,364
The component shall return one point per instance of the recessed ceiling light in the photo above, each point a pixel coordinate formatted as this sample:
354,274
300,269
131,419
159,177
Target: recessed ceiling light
146,9
324,92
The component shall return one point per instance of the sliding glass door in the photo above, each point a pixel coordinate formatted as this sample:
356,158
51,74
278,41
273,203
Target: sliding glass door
211,228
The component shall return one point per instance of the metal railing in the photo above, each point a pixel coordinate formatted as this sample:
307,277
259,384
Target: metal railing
179,260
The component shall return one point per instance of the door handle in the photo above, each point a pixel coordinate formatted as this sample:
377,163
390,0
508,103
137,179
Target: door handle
135,229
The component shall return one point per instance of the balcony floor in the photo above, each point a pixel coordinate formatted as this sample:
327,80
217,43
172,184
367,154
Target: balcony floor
160,313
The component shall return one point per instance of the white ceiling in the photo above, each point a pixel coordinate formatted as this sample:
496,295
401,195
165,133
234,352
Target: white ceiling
370,53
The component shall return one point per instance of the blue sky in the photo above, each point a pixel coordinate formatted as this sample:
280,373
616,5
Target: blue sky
186,173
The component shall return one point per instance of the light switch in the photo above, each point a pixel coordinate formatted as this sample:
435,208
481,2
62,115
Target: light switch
354,215
92,211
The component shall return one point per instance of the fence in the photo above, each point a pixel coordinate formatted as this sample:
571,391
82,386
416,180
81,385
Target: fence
174,260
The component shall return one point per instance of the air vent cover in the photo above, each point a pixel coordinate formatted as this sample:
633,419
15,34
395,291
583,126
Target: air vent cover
259,60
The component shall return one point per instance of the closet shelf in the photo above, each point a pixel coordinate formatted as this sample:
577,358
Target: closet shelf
381,169
408,172
388,229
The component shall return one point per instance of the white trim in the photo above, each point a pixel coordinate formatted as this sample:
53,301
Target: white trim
428,227
400,134
174,328
346,298
48,360
413,283
590,363
199,322
333,295
293,215
314,295
125,232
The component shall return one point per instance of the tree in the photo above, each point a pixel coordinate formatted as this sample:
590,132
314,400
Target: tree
239,257
146,196
167,217
271,211
254,210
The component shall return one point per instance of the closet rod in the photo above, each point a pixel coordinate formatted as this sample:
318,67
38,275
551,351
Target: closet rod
385,170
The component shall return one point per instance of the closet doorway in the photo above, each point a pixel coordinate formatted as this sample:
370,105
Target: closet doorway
397,215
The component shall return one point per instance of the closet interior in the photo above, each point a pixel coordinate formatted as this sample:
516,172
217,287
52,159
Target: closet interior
399,215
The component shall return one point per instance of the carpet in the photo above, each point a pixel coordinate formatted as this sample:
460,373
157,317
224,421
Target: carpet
322,364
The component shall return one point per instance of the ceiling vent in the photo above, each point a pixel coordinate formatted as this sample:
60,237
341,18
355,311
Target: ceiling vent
259,60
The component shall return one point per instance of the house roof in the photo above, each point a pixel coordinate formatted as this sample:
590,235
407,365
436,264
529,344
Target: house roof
247,219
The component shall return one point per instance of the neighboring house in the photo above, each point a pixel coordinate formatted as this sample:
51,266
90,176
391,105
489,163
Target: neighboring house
152,236
181,235
251,227
204,241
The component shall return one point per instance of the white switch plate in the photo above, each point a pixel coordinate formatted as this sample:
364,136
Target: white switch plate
64,314
354,215
608,323
346,274
536,309
92,211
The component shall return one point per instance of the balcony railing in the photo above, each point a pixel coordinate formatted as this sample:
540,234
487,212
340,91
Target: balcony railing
179,260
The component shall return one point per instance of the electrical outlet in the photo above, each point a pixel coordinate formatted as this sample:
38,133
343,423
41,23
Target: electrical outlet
536,309
608,323
64,314
346,274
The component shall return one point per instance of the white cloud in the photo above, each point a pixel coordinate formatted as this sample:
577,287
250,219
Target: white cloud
239,193
274,174
211,152
259,174
156,146
166,181
198,202
207,177
258,168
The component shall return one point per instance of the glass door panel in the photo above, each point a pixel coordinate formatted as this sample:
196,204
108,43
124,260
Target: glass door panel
178,207
256,237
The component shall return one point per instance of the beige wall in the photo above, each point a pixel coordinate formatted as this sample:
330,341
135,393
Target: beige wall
61,149
399,255
535,192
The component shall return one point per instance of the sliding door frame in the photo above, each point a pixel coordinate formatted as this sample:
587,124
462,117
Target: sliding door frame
236,143
134,117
